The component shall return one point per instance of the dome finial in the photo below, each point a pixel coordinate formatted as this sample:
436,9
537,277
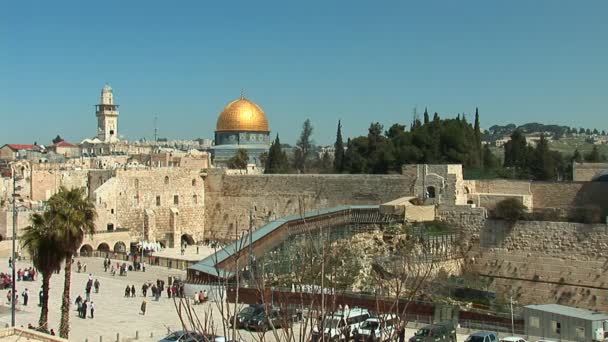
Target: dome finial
242,93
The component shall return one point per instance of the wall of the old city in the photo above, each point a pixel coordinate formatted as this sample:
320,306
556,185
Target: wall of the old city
45,183
538,261
172,199
231,198
584,172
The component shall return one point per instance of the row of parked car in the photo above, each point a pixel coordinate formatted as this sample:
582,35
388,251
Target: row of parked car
355,324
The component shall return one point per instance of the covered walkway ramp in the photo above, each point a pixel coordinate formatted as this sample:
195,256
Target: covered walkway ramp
223,264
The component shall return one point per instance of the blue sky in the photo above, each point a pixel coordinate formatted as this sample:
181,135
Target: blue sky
359,61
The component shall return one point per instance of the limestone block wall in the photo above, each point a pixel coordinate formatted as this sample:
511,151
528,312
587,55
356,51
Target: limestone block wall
124,199
231,198
45,183
566,195
584,172
538,261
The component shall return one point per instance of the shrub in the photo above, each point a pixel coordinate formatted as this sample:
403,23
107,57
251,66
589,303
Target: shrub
510,209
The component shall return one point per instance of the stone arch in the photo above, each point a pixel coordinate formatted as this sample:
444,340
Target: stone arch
187,239
103,247
86,250
431,192
120,247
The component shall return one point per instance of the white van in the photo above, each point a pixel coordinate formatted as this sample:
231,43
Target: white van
377,329
341,324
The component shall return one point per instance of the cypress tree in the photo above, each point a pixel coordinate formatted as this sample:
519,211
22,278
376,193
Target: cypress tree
478,134
277,159
426,116
339,150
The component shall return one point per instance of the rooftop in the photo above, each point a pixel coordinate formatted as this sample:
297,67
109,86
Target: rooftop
569,311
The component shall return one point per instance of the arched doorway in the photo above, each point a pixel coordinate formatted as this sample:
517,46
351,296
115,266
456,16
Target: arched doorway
103,247
187,240
86,250
120,247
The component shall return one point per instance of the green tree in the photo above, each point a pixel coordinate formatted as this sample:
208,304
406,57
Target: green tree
510,209
304,147
477,130
426,116
516,151
542,164
73,215
39,240
490,162
603,132
57,139
239,160
593,156
277,159
339,150
577,157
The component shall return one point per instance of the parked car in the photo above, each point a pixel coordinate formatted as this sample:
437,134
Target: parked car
245,315
483,336
513,339
439,332
275,317
339,325
377,329
184,336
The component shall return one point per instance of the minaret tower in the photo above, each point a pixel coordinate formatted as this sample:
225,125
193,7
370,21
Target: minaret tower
107,116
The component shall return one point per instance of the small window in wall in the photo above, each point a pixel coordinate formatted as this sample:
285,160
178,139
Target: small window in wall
111,211
158,201
430,192
166,180
556,327
110,227
176,199
194,182
135,200
534,322
195,199
136,183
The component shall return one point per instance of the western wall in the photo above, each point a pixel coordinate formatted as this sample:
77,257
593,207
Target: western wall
232,199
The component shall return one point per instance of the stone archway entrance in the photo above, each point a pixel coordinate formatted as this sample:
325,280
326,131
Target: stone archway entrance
86,250
103,247
187,240
120,247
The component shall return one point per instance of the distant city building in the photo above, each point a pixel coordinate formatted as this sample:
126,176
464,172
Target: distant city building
241,125
17,151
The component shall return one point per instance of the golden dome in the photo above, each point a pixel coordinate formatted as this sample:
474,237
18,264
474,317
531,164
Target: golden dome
242,115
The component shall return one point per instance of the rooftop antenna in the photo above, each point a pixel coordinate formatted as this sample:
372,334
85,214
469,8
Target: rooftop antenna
155,128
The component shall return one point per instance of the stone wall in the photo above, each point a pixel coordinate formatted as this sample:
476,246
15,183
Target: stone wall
538,261
159,204
568,195
231,198
45,183
584,172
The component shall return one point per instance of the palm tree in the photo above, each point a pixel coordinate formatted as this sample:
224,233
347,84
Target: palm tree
38,240
73,215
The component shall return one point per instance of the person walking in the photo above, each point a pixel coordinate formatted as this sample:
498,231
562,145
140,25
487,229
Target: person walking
143,266
9,296
132,290
10,262
96,285
25,296
83,311
168,292
128,291
40,297
143,307
144,289
92,310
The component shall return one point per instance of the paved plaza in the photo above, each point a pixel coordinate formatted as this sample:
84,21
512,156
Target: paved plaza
114,314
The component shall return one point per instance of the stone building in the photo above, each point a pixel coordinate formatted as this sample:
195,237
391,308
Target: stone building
165,205
241,125
585,172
